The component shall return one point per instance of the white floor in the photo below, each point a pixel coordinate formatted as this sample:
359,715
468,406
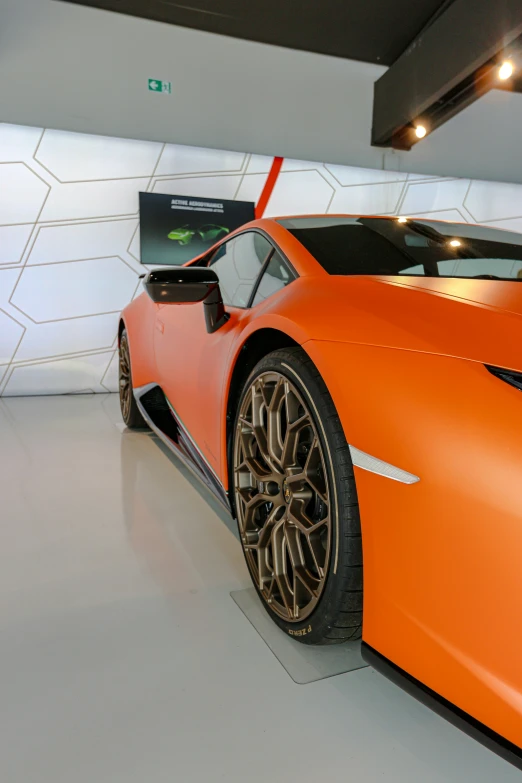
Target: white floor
123,657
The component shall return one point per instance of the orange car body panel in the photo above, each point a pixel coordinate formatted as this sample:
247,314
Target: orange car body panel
404,362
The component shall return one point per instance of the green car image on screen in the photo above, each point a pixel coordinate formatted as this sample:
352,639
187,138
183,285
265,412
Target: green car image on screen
182,235
211,233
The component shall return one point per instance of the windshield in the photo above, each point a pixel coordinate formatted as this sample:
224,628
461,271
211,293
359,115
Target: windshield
407,246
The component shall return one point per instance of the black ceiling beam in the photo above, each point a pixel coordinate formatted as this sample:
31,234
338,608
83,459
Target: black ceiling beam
449,65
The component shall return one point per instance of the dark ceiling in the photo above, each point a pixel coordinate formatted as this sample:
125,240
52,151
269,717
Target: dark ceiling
375,31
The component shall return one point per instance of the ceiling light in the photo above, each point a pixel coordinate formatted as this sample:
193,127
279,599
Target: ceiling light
420,131
402,220
455,243
505,70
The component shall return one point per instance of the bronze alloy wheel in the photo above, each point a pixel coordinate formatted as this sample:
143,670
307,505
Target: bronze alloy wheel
125,385
130,412
282,497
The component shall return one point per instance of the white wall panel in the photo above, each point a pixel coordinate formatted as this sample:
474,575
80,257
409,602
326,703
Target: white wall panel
70,242
351,175
73,157
299,191
251,187
134,246
8,278
511,224
10,335
22,193
369,199
69,250
109,379
259,164
220,186
13,241
73,289
177,159
453,215
73,335
106,198
493,200
64,376
18,142
430,196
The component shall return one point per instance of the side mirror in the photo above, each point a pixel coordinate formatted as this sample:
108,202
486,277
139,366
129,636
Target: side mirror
184,284
189,284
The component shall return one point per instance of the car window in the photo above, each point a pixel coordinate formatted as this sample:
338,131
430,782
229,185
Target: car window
275,277
472,267
409,246
237,264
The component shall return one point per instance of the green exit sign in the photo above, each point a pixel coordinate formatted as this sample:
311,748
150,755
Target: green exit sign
156,85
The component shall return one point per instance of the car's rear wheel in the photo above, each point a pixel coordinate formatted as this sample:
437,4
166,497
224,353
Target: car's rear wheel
129,410
296,501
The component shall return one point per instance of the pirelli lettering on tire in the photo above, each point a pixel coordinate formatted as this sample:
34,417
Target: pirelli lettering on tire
302,632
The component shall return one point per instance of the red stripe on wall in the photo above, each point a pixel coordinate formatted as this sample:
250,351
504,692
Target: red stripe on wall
269,186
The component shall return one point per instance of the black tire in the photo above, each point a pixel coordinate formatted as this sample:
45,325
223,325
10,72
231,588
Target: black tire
129,410
337,616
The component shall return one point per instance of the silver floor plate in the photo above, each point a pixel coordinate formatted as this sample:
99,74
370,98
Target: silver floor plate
304,663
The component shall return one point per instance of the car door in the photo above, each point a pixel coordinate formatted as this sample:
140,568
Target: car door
190,361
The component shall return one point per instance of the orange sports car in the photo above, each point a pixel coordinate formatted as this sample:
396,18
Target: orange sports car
350,389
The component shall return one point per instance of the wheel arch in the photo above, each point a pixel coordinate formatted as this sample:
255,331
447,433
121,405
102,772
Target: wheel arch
257,345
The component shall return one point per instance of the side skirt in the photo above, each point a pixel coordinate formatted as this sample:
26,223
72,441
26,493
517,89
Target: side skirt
164,422
462,720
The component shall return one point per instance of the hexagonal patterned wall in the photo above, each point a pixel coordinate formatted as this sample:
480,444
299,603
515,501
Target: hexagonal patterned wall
69,234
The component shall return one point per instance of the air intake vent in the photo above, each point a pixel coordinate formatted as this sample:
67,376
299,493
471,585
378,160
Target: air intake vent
158,410
509,376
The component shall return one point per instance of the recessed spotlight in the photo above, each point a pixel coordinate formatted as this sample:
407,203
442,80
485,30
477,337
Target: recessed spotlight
455,243
506,70
420,131
402,220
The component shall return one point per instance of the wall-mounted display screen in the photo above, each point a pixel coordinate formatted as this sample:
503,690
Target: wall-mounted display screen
174,229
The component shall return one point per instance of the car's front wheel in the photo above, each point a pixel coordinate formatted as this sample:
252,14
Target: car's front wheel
296,501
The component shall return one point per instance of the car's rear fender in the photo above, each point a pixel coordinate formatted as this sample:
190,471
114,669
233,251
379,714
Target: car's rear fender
138,319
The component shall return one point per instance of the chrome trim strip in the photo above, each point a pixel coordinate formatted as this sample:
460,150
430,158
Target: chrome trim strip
375,465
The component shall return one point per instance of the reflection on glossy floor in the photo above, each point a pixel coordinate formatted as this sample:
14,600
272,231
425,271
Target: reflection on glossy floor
123,657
